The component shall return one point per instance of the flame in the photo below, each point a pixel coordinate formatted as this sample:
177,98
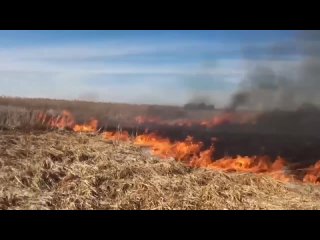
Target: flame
189,151
116,136
62,121
203,160
218,120
313,175
90,127
192,153
223,118
163,147
229,118
257,165
66,120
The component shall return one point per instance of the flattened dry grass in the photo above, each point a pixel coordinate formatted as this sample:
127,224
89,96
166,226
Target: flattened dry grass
61,170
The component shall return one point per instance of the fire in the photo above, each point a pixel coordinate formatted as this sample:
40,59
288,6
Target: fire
160,146
66,120
192,153
229,118
218,120
223,118
189,151
116,136
203,160
90,127
163,147
62,121
245,164
257,165
313,175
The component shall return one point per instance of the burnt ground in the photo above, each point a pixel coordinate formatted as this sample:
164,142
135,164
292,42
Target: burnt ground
293,135
296,148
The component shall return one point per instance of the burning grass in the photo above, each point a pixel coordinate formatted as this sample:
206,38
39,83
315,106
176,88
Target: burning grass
65,170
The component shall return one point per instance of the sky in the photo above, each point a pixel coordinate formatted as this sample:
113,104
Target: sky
149,67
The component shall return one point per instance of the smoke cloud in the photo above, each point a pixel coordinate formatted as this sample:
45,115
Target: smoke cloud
288,87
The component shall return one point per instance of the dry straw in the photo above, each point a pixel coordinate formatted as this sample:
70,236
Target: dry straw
63,170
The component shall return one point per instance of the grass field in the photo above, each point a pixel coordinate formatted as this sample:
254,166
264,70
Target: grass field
17,112
43,168
64,170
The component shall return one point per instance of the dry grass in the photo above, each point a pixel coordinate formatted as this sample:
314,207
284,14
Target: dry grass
61,170
105,113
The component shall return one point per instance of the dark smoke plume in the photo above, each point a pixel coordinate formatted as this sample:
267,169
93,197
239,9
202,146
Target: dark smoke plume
201,98
286,87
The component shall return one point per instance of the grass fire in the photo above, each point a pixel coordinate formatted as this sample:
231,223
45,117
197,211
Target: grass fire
141,166
160,120
191,152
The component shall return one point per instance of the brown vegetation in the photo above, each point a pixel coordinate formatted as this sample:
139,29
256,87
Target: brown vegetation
106,113
63,170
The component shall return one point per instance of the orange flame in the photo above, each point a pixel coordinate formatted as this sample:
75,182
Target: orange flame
116,136
229,118
258,165
65,120
90,127
163,147
220,119
313,175
189,151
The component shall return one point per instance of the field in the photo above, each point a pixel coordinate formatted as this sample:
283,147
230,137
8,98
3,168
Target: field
63,170
19,112
46,168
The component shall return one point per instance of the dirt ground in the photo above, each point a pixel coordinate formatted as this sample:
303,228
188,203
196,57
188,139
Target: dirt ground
64,170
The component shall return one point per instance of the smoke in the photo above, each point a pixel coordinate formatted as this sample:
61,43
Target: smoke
198,98
209,84
270,86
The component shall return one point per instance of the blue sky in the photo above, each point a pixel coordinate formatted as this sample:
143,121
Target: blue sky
156,67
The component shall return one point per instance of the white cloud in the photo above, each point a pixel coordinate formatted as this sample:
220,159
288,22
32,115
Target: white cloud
102,49
30,72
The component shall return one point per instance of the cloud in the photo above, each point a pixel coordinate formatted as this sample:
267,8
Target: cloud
110,70
287,86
